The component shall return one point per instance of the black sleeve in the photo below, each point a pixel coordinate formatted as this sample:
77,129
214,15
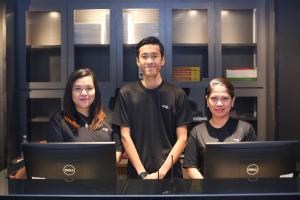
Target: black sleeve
183,110
191,151
116,138
55,129
120,115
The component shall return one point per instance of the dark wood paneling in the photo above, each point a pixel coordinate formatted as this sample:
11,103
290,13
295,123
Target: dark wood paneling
2,86
288,68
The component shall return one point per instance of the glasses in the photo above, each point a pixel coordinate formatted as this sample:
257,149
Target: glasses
79,90
223,99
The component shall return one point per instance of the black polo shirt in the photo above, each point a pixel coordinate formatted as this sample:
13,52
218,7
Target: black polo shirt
60,131
233,131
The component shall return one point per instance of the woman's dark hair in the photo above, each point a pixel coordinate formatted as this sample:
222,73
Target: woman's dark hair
150,40
96,107
223,82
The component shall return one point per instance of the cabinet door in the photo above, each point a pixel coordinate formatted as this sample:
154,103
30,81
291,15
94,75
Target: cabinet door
91,42
240,52
190,38
135,22
250,106
36,106
46,50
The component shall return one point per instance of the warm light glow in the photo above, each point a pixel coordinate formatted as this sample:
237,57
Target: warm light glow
104,31
224,12
254,25
193,12
130,30
54,14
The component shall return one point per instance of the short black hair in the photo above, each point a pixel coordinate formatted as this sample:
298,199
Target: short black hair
150,40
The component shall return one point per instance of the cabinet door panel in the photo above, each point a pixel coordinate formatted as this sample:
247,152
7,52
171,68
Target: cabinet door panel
190,40
92,41
240,42
45,46
137,24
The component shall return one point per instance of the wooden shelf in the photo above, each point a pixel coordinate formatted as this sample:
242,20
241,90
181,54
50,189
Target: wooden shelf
92,45
190,45
232,45
40,119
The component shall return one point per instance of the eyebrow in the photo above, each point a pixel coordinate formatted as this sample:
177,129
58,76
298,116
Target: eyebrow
220,95
89,85
150,53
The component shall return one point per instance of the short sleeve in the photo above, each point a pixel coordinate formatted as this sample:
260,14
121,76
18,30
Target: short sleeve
191,157
250,134
116,138
183,111
120,115
55,128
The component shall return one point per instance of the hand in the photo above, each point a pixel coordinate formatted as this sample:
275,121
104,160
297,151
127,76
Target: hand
20,174
155,175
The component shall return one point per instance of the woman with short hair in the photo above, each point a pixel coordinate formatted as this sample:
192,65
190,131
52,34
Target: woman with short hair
219,128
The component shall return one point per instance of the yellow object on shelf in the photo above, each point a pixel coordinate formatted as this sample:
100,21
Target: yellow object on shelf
186,74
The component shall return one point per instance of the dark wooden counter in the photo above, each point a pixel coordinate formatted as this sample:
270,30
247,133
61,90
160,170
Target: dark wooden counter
281,188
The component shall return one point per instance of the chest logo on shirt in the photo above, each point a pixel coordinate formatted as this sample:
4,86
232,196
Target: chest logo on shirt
167,107
105,129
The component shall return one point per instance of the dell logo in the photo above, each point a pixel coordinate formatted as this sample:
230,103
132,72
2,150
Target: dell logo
252,169
69,170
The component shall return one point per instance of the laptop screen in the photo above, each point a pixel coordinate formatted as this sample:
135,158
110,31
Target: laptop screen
75,160
250,159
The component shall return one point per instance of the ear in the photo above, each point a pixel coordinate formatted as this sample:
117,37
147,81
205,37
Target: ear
207,104
233,100
163,61
137,62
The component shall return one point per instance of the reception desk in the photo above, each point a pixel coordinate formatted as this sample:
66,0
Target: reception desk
281,188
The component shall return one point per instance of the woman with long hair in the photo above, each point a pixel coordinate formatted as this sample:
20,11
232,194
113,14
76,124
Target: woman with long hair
83,118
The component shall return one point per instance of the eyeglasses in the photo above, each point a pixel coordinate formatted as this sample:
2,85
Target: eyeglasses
79,90
223,99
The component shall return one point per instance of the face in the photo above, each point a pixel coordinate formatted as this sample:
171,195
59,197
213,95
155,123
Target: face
83,93
219,102
150,60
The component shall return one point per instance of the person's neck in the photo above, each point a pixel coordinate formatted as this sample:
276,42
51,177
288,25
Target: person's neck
84,112
218,122
152,82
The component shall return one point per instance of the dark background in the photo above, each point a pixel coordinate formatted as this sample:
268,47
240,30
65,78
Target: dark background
287,63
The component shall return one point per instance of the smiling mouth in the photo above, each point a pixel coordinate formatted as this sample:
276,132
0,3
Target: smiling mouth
149,67
219,110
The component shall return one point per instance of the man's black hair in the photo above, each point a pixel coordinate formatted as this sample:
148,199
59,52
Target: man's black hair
150,40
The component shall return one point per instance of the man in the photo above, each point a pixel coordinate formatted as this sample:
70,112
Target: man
153,116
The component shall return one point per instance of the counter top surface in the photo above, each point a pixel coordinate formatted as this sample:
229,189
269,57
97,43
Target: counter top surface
280,187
